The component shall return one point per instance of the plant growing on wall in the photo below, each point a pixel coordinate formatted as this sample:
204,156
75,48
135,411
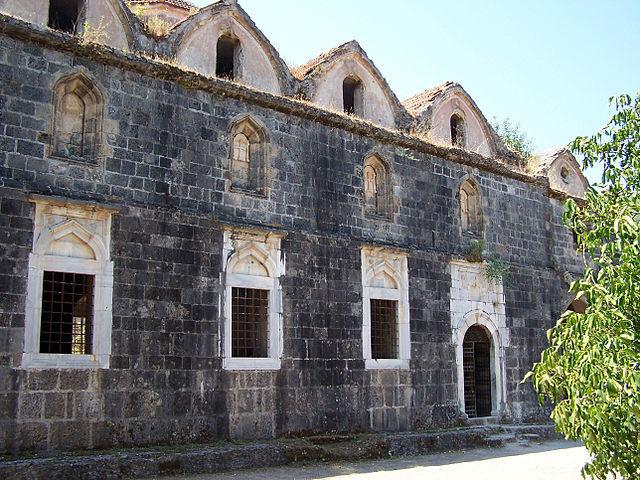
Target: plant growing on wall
495,269
154,25
513,137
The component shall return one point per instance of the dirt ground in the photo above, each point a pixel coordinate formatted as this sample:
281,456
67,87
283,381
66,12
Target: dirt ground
551,460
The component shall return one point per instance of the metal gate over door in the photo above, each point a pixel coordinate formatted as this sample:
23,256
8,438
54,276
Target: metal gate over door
476,360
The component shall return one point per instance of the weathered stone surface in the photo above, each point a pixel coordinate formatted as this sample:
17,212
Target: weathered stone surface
165,169
209,459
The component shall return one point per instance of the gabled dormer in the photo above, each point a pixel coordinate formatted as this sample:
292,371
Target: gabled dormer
563,171
222,41
447,114
346,80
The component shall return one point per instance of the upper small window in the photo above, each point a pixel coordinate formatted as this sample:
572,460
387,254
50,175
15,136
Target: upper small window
470,208
77,122
63,14
457,131
565,173
352,97
248,157
227,57
378,197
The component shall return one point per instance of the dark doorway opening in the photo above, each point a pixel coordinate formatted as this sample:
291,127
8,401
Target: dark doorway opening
63,14
476,361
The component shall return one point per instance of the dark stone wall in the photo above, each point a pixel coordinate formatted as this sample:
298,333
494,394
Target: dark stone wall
163,163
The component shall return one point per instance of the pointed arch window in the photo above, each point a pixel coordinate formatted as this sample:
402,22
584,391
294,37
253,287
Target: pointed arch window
458,131
470,208
248,157
252,301
77,120
352,96
385,309
227,57
69,287
378,197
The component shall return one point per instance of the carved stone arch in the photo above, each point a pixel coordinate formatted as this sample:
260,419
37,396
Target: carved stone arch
262,67
378,190
496,372
45,241
434,108
243,256
77,122
248,152
108,21
385,269
471,207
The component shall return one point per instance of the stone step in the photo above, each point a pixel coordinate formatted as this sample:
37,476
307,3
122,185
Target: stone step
499,439
532,437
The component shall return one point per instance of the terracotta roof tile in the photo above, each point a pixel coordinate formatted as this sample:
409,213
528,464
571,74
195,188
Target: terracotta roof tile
303,70
541,162
417,103
176,3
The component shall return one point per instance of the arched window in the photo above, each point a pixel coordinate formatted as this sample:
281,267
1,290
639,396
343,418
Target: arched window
470,208
378,196
248,157
476,359
385,309
352,96
457,128
63,15
77,122
241,161
252,300
227,61
370,188
69,287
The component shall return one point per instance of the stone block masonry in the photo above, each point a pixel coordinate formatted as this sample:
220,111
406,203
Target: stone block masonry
164,170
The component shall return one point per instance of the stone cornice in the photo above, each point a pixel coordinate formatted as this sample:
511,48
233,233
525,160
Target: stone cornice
73,45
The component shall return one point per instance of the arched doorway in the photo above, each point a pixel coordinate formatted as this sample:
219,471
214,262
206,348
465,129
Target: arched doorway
476,359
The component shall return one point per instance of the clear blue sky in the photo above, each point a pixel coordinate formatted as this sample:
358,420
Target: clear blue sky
548,65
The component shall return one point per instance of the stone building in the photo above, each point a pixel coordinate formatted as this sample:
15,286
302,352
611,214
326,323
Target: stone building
198,243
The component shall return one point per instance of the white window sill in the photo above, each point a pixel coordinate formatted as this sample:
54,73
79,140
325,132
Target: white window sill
63,360
386,364
251,363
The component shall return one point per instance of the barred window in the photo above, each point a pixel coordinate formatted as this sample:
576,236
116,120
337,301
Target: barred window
385,309
67,313
384,328
249,322
252,301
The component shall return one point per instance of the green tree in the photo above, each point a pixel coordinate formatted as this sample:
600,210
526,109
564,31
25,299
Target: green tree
591,371
513,137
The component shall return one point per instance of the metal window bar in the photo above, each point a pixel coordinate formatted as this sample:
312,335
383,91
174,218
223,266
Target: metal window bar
67,313
477,373
384,329
249,322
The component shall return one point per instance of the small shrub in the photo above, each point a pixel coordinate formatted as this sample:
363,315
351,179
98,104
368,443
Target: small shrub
474,252
496,270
